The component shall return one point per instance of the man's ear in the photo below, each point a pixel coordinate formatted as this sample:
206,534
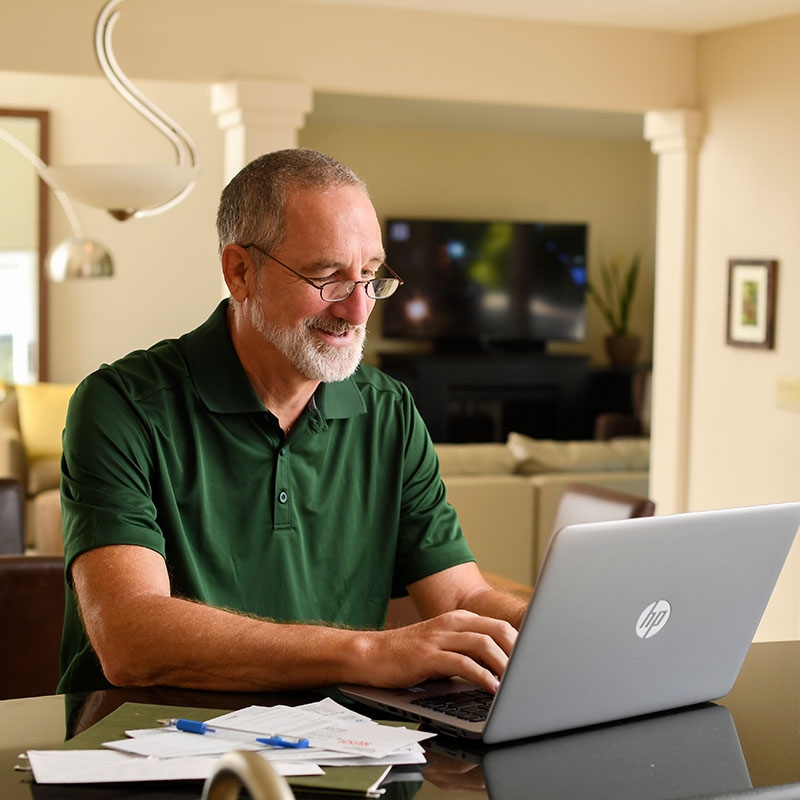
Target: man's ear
238,271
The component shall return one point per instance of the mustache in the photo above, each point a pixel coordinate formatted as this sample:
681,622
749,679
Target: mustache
333,325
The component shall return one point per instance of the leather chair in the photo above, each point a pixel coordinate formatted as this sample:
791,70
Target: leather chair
11,517
582,502
32,609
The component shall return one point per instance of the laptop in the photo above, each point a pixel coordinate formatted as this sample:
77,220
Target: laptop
628,618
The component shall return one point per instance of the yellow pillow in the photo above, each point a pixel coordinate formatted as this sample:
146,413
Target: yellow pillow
42,414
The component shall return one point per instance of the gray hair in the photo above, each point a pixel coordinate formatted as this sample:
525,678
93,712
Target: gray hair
251,207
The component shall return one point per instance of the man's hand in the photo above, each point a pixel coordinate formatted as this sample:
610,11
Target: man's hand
456,643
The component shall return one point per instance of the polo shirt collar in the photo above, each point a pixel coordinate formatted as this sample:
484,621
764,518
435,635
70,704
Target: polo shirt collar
340,400
223,384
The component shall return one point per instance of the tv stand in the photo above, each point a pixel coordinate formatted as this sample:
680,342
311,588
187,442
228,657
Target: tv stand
464,345
484,396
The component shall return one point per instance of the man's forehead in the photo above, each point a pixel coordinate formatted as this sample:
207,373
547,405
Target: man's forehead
340,210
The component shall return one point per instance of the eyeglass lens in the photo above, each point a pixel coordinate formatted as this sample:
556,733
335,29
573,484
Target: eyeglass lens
377,288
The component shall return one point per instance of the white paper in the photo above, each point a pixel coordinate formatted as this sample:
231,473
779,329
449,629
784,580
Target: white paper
109,766
326,724
176,744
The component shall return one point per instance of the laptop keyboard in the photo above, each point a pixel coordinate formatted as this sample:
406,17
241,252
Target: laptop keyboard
471,706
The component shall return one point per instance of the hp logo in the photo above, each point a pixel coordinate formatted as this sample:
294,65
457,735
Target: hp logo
653,619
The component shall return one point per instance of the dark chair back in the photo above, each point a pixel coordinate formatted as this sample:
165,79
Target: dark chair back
12,540
583,502
31,620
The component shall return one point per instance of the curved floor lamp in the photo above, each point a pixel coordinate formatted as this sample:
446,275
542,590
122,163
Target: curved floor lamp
124,190
78,256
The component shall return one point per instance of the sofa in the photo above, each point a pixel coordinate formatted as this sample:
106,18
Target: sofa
506,494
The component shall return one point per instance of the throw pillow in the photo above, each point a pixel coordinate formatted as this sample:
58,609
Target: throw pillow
42,414
536,456
486,458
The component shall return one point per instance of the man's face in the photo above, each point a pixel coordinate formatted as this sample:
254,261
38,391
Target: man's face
332,235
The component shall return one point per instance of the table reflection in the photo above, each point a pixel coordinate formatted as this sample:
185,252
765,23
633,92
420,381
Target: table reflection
750,737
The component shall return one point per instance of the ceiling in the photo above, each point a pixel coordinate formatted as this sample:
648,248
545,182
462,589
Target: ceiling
683,16
361,110
692,17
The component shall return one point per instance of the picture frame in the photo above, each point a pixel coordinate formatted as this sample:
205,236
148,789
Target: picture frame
752,289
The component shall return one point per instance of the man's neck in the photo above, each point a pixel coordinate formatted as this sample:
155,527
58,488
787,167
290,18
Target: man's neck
279,386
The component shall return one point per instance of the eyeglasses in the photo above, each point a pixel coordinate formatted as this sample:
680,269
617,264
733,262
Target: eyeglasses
336,291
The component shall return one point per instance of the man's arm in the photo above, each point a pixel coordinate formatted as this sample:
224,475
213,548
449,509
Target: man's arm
144,636
464,587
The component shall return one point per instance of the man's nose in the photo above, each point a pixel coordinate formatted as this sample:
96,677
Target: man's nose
357,308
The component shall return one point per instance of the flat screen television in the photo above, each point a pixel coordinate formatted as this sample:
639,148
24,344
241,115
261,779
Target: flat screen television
483,284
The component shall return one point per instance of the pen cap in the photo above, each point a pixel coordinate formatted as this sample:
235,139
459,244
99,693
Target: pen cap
192,726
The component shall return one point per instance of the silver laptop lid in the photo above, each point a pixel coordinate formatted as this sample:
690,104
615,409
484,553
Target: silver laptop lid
641,615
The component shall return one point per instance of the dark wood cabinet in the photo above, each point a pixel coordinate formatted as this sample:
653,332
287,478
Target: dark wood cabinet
476,398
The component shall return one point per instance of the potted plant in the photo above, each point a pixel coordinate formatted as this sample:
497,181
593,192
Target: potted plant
614,300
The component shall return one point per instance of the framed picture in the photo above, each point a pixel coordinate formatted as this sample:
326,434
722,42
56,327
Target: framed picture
751,302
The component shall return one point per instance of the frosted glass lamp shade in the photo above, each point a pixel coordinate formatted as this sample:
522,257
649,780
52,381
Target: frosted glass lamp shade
122,189
79,258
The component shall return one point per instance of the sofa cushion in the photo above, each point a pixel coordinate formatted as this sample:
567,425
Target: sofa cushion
489,458
536,456
9,417
43,473
42,414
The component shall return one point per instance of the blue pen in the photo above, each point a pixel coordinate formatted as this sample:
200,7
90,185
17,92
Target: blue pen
203,728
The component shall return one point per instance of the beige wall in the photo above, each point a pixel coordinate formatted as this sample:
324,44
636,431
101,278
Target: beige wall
744,449
17,225
605,182
166,276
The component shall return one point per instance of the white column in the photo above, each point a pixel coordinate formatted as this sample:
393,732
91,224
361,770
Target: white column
675,137
258,117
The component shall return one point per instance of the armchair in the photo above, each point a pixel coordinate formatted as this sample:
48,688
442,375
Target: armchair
31,421
11,530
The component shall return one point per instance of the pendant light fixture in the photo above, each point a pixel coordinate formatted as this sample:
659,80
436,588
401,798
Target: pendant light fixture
130,190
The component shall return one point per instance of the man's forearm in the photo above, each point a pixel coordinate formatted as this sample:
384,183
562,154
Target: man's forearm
491,602
145,636
169,641
189,645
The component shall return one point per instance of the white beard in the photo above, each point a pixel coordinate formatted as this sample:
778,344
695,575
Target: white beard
311,357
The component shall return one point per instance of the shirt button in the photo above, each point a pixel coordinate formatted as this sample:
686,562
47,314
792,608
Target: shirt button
283,451
283,497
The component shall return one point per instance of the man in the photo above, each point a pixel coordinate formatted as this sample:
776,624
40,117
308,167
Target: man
241,503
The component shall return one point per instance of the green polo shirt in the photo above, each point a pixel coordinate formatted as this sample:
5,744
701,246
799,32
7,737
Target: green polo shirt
171,449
